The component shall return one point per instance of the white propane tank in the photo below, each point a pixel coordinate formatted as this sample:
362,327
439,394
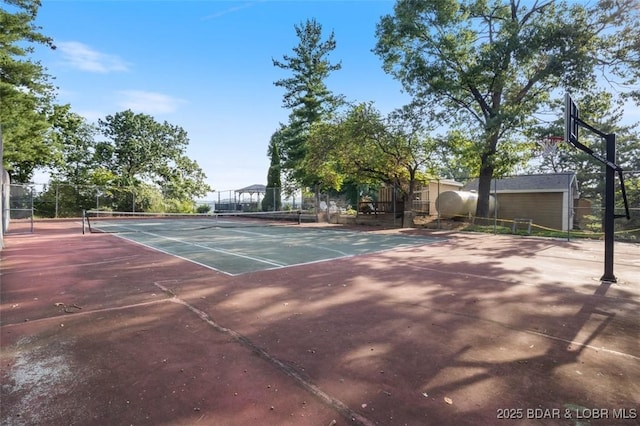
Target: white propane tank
452,204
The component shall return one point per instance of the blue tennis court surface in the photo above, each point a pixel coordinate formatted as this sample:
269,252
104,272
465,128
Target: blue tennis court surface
236,251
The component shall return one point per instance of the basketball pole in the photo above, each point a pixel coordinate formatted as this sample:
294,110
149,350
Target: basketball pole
572,123
609,194
609,210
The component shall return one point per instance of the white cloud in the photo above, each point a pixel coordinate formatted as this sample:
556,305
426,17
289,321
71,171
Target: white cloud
148,102
84,58
232,9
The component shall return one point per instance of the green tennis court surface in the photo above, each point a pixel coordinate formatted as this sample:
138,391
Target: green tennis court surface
238,250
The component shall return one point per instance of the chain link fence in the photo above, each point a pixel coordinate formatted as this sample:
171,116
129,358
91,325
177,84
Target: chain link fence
63,200
557,205
549,204
257,199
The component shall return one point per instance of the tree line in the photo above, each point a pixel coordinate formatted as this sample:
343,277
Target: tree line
124,150
485,80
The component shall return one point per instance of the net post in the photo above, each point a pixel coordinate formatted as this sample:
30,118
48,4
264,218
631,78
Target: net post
84,215
299,217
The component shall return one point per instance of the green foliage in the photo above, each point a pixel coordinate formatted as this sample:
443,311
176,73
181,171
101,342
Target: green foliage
173,205
138,146
74,140
203,208
604,112
182,179
273,198
62,200
632,184
306,95
26,93
141,150
363,147
142,168
486,67
139,155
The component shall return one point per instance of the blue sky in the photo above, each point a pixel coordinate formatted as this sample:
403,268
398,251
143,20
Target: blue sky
206,66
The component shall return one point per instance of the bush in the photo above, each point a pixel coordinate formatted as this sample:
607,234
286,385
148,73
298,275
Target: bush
203,208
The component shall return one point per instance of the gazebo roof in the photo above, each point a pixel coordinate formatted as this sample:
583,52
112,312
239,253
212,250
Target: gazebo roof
252,189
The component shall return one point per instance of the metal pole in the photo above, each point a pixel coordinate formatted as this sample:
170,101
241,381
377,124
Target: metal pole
609,210
570,207
327,208
32,209
437,209
57,196
393,200
495,203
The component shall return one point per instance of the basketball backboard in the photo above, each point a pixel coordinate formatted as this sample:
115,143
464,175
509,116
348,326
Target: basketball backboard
570,120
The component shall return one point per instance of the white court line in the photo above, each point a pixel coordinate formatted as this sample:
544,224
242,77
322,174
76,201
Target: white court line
173,254
244,256
273,264
409,241
341,253
277,265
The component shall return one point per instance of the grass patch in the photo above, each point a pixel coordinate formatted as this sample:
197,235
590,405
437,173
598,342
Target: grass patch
535,231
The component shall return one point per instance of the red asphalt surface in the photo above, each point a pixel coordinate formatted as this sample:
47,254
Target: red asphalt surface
474,330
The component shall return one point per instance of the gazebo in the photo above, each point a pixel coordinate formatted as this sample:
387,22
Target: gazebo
255,189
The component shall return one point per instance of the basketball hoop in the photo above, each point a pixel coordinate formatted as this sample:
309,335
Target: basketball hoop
549,145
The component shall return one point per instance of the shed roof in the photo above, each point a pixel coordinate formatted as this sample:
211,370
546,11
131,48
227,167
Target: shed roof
554,182
447,182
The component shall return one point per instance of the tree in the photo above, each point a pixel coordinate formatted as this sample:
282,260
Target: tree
71,186
602,111
25,91
273,197
306,95
140,152
487,66
363,147
74,140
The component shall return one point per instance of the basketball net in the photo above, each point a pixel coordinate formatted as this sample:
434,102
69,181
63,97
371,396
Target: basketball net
549,145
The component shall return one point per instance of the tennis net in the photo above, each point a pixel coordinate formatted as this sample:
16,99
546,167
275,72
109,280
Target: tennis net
120,222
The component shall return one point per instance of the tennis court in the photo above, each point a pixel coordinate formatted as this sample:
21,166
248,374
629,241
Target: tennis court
472,329
241,243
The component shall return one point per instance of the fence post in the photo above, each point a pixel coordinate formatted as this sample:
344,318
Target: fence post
57,198
434,204
495,205
393,200
33,190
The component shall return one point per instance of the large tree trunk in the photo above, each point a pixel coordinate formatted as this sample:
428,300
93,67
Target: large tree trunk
407,201
484,189
487,167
